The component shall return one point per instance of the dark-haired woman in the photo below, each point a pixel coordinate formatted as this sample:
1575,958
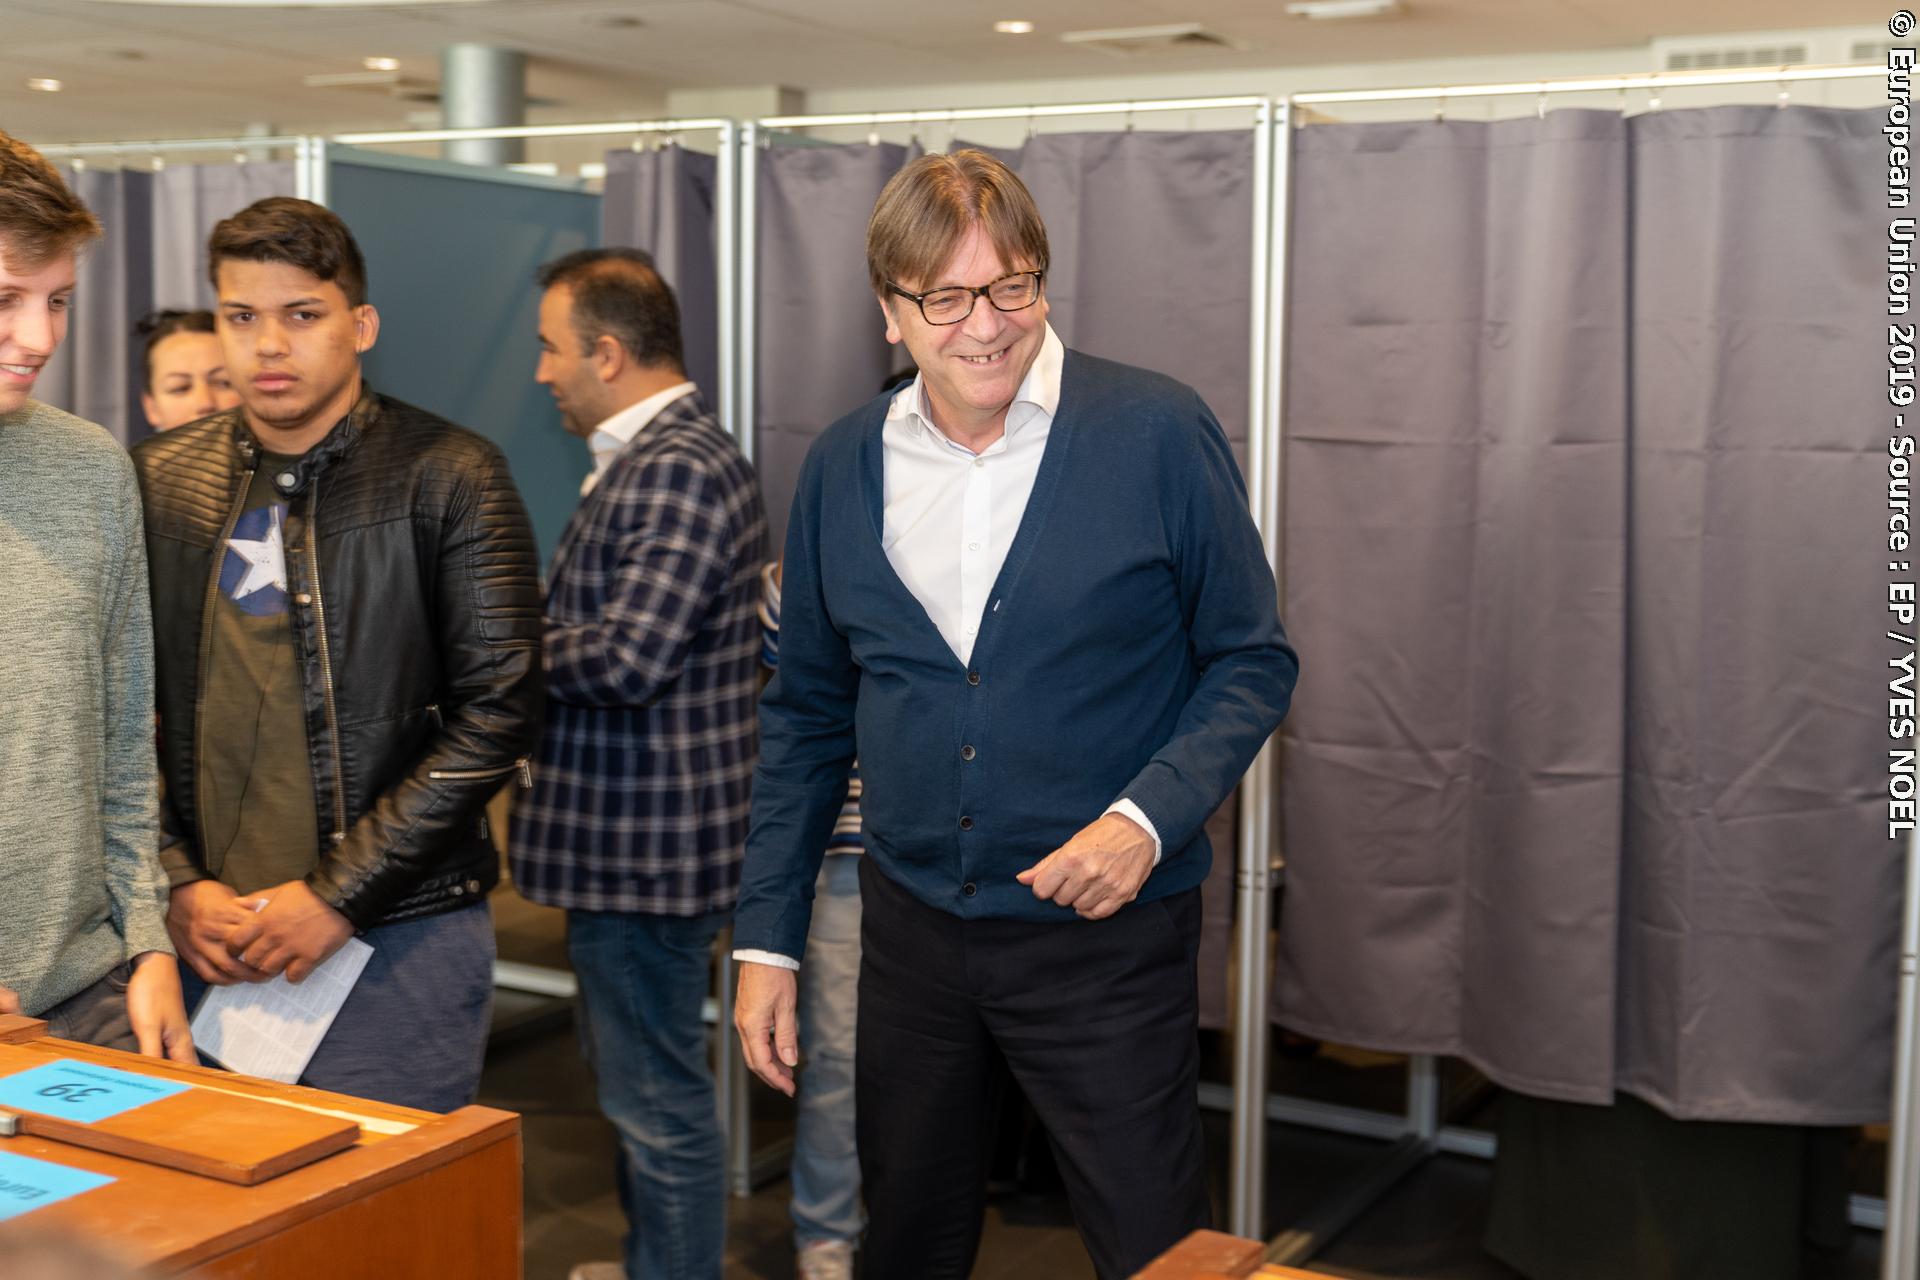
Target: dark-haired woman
186,372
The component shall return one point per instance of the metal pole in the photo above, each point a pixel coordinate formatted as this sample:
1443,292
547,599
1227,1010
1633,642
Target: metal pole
483,86
726,257
730,1077
870,118
1259,834
1900,1247
81,150
1423,1098
302,180
594,129
1253,875
1653,80
747,338
315,172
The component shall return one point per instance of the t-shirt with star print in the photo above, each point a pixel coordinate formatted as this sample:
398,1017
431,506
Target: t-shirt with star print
260,827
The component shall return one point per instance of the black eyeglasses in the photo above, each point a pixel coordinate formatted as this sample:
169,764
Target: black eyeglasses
1013,292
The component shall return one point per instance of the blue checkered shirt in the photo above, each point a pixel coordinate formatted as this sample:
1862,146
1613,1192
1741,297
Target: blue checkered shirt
640,793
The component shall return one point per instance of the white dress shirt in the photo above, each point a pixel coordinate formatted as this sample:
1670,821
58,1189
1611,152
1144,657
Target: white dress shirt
618,431
951,514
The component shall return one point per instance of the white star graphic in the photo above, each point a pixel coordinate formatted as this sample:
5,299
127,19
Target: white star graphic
266,565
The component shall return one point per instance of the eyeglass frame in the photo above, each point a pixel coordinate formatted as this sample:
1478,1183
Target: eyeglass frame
977,291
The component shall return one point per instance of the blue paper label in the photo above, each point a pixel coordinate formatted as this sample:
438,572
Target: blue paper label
27,1184
81,1091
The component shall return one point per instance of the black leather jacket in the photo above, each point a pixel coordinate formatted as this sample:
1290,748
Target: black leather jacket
414,592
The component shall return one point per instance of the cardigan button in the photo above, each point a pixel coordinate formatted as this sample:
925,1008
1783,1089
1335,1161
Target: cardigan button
966,823
969,888
966,753
973,677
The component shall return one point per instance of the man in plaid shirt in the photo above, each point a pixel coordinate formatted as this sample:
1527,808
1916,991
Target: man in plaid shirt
639,809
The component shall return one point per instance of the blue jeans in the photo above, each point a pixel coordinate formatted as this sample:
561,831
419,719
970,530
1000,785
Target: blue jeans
826,1159
413,1031
642,981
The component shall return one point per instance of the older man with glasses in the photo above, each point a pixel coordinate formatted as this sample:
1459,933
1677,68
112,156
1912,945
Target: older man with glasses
1031,580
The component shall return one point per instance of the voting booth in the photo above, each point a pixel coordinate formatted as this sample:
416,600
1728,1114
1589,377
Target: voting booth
188,1171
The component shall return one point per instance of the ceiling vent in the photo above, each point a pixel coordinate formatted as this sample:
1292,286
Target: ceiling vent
1675,55
1131,42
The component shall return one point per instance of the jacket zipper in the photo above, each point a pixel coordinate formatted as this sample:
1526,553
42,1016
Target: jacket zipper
206,655
326,667
523,766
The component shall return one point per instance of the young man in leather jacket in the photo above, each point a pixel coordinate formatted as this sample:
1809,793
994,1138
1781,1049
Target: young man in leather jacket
347,635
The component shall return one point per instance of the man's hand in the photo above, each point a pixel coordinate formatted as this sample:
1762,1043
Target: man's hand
200,915
9,1000
1097,872
155,1009
295,931
765,1013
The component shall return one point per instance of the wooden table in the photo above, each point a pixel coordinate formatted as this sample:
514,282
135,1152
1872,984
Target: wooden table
1211,1255
417,1194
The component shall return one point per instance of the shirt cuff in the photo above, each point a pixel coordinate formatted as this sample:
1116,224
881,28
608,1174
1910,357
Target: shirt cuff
767,957
147,934
1128,809
178,863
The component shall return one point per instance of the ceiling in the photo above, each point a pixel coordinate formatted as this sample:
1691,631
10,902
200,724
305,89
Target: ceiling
153,70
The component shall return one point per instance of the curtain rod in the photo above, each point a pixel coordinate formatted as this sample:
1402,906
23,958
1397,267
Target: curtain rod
532,131
1009,113
171,144
1649,80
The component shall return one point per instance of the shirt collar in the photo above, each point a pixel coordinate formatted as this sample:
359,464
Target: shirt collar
1039,390
618,431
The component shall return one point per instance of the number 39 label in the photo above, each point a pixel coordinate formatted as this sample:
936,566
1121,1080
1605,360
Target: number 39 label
82,1091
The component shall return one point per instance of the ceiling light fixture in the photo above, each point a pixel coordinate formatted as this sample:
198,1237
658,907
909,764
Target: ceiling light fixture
45,85
1344,9
380,64
1014,27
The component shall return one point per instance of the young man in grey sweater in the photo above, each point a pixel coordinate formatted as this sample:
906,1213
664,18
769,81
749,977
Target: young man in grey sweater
84,944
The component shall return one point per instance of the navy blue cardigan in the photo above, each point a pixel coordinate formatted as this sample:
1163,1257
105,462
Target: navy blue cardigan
1131,646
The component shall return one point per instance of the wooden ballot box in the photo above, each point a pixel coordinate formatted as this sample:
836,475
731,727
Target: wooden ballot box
206,1174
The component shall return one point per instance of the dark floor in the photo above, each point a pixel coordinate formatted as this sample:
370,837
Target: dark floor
1428,1226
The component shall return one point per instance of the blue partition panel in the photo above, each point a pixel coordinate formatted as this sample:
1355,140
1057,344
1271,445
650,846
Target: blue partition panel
451,250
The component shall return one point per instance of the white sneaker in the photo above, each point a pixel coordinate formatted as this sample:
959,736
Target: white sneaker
824,1260
598,1271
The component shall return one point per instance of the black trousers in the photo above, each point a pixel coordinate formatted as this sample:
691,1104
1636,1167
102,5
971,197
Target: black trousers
1097,1021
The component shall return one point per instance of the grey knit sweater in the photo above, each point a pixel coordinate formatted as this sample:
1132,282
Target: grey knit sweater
80,882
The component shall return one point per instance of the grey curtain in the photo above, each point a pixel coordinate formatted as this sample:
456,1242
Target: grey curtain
822,346
187,200
93,374
1759,931
1152,238
662,201
153,254
1580,784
